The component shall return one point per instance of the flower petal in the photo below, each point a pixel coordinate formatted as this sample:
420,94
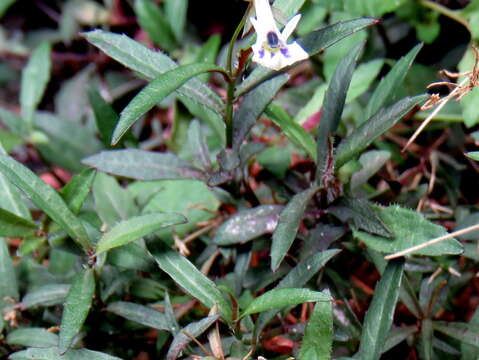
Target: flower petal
289,28
296,52
264,16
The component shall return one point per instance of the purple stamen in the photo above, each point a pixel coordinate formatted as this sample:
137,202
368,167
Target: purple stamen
261,53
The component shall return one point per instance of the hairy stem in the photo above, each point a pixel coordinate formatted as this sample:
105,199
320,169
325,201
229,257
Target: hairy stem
232,81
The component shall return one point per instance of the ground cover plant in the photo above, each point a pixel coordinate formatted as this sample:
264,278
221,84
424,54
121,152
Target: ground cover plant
284,180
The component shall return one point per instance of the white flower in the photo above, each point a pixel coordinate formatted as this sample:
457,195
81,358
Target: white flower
271,48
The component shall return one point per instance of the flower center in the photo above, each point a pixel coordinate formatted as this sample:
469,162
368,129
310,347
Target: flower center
273,40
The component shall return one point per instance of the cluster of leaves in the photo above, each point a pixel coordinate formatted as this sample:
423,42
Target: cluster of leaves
203,229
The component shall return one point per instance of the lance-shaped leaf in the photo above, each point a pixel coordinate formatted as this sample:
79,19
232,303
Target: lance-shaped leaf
46,198
12,225
186,275
35,77
292,129
333,104
399,221
76,191
280,298
155,92
135,228
182,339
10,197
105,118
53,353
140,313
466,333
46,295
318,335
143,165
175,13
9,284
154,22
150,64
253,106
377,125
298,276
76,308
312,43
288,226
34,337
248,224
379,317
384,92
361,214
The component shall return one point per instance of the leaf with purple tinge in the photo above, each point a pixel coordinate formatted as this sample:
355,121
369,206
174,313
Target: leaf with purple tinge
248,224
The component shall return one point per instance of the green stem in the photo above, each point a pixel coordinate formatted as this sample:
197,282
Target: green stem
232,81
441,9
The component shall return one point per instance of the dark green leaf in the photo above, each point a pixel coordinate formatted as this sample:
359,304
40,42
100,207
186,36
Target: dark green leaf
333,105
379,317
35,77
77,190
67,142
12,225
154,22
10,197
198,146
71,102
362,214
135,228
76,308
143,165
253,106
306,269
105,118
8,285
426,339
139,313
45,198
175,13
13,122
279,298
466,333
313,43
192,198
400,221
4,5
248,224
34,337
318,335
186,275
298,276
155,92
150,64
374,127
371,162
182,339
383,95
131,256
112,202
288,226
471,352
54,353
292,130
46,295
397,335
288,8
